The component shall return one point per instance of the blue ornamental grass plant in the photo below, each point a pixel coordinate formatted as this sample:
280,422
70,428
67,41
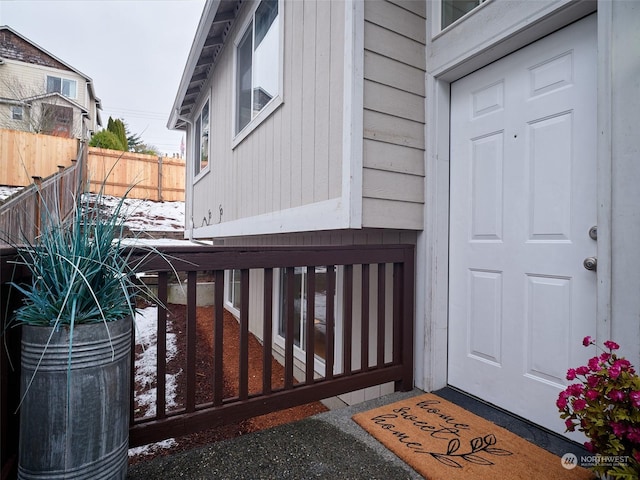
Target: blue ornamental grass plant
80,271
83,270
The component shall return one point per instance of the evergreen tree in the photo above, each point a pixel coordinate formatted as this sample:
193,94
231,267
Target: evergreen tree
117,128
105,139
134,141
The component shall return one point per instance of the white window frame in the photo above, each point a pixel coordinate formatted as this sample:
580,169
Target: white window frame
197,139
229,292
17,113
62,80
436,18
277,100
299,352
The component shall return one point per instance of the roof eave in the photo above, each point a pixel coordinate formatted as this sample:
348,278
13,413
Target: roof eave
208,14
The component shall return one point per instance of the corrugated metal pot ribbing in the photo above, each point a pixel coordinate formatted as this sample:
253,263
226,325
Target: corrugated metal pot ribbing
81,431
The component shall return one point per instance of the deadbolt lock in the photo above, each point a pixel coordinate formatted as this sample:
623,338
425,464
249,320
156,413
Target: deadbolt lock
593,232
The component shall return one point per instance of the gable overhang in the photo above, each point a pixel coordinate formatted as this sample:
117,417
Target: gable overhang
215,24
30,100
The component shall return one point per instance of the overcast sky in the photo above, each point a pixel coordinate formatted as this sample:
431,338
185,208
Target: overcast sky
134,50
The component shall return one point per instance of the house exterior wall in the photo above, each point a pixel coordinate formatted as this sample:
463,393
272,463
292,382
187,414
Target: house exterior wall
33,80
293,158
23,74
621,146
394,114
345,148
19,79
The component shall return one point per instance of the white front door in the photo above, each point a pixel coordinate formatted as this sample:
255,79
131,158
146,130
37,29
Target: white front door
522,201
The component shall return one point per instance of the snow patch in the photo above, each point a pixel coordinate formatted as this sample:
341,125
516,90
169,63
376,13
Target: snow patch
146,215
6,192
145,374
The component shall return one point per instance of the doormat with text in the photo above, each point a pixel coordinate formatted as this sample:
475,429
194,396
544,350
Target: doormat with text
442,441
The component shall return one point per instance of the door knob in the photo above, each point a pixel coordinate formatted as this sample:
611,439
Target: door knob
590,263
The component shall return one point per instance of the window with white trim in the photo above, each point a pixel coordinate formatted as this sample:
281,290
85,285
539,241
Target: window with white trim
17,113
201,136
64,86
257,63
453,10
233,289
300,293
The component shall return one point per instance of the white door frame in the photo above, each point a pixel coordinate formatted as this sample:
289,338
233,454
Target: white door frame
433,242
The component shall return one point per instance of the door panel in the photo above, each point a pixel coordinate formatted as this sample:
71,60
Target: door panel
522,201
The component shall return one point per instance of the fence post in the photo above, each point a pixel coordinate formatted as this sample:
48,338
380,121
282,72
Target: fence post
84,166
60,191
159,178
37,206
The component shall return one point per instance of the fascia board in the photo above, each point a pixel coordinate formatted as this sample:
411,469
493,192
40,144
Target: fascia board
327,215
206,19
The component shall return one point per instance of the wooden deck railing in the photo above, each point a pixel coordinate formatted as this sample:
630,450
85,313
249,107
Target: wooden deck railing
367,304
368,334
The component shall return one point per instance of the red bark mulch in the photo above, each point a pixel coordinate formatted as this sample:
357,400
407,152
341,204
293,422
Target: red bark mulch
204,379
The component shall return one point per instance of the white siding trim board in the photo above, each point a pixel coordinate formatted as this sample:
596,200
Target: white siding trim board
327,215
353,127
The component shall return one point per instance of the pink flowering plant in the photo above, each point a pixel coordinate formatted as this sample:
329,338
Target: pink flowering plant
605,405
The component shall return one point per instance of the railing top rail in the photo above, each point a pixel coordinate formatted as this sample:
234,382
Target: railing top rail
168,258
224,258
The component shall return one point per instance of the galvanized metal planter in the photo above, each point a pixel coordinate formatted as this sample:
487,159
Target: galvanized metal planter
74,419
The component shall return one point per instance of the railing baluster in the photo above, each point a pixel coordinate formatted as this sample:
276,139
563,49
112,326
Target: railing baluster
243,387
267,330
310,325
218,322
331,323
289,330
397,313
348,318
364,336
381,314
190,367
161,380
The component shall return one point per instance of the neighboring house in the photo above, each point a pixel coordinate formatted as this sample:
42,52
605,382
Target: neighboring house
41,93
492,135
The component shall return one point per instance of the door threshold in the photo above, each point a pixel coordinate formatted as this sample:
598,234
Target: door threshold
540,436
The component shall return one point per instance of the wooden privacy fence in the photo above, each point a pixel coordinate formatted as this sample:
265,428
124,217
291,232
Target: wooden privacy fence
24,155
23,215
153,178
